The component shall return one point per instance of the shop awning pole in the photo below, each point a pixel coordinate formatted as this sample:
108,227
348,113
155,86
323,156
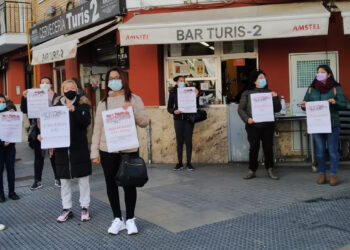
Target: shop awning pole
28,39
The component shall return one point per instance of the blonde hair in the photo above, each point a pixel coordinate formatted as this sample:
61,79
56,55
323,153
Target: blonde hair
68,81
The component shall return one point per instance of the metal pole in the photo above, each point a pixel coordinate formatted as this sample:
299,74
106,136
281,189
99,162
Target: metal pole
28,39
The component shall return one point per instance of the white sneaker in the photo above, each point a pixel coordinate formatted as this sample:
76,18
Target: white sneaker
117,226
131,226
2,227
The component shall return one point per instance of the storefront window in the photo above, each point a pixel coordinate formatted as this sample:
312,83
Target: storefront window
238,47
200,73
192,49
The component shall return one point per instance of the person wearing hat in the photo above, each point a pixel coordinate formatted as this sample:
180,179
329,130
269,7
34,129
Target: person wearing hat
183,127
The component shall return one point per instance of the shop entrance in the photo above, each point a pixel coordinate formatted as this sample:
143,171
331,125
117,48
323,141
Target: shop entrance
235,80
235,75
59,73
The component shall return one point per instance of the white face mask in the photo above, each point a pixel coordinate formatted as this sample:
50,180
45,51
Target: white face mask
45,86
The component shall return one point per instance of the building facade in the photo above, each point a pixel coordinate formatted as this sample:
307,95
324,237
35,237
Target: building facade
215,43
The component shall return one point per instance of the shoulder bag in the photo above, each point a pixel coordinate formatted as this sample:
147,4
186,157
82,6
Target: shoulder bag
132,171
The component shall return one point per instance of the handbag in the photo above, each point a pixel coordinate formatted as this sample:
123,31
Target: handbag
201,115
132,171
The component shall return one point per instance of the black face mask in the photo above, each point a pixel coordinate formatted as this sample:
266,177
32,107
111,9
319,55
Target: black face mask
70,94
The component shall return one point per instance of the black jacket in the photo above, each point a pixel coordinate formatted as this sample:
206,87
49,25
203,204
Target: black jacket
172,105
74,162
245,109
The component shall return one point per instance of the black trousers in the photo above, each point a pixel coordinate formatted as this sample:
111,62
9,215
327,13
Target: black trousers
39,161
184,132
7,160
110,163
265,135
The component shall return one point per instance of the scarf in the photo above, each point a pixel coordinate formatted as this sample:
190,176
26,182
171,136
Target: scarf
324,87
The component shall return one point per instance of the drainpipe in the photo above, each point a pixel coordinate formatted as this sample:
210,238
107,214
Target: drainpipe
28,39
149,143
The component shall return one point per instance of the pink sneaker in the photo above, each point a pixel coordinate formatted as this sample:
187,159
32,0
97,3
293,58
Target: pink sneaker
65,215
85,215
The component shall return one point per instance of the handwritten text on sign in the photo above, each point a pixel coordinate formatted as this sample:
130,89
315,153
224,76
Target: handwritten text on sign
262,107
11,126
186,100
37,100
55,129
318,117
120,129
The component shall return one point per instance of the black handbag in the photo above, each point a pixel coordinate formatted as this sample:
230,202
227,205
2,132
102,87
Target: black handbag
132,171
201,115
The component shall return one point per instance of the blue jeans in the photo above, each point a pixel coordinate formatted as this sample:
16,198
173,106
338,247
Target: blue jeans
332,140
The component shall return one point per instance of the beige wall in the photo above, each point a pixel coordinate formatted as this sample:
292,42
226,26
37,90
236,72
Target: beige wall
209,137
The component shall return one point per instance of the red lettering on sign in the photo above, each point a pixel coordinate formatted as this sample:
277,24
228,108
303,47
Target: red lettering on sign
137,37
306,27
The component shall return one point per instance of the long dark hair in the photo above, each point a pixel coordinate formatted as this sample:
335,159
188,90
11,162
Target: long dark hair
253,76
125,80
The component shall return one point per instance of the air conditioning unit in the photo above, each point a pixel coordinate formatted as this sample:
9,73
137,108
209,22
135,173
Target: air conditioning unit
51,11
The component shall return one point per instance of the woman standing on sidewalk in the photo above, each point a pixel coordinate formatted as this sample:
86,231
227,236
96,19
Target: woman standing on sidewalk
7,158
325,88
183,127
74,162
258,131
117,95
39,154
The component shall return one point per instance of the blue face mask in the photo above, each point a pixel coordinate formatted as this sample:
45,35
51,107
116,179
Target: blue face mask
2,106
182,85
262,83
115,85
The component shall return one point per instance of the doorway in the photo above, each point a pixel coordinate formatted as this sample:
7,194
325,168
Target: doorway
235,77
59,73
235,80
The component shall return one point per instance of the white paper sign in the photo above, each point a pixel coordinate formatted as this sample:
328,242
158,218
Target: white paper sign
54,127
37,101
120,129
186,100
262,107
318,117
11,126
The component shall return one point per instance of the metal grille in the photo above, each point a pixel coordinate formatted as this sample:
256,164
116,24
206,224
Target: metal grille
306,71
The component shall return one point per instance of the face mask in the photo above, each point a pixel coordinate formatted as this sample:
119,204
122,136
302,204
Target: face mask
115,85
70,94
45,86
2,106
182,85
321,76
262,83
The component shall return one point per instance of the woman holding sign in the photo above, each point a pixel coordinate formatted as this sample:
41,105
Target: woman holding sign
7,158
39,154
183,126
117,95
325,88
74,162
259,130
